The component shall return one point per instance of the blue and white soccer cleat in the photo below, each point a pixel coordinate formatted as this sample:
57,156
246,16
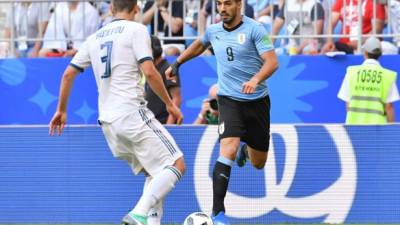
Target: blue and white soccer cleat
133,219
220,219
241,157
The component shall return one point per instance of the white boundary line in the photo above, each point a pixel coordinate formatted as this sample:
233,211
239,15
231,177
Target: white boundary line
196,125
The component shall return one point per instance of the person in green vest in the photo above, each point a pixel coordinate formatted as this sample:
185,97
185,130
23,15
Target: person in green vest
369,90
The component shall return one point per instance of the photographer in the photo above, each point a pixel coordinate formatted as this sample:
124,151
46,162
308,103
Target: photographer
209,110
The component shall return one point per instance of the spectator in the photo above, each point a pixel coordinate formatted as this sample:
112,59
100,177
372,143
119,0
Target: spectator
265,8
193,8
154,102
350,23
164,16
71,23
304,17
29,22
209,109
104,12
395,20
369,90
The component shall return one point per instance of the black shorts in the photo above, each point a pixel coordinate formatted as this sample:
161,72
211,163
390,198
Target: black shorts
248,120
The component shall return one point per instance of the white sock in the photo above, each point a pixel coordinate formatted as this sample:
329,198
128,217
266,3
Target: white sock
156,212
157,189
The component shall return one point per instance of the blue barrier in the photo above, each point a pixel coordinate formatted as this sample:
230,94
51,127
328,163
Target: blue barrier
321,173
304,89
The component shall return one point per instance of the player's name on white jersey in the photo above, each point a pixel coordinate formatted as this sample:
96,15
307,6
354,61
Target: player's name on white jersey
108,32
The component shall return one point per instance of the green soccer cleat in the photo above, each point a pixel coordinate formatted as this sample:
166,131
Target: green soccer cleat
133,219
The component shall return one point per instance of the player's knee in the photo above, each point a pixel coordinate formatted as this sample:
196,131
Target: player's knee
258,165
180,165
229,148
229,152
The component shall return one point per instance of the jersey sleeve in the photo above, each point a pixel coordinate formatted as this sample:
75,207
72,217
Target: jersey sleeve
393,94
142,44
81,59
344,91
205,40
261,39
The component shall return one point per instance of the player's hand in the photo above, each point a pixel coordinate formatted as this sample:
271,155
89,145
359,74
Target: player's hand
169,75
249,87
172,71
57,123
175,112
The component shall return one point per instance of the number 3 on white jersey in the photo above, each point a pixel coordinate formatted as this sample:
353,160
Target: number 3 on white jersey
107,59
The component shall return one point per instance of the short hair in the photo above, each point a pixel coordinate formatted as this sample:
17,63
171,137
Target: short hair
156,47
124,5
373,56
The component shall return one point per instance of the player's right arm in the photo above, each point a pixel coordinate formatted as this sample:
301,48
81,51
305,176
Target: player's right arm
59,119
80,61
194,50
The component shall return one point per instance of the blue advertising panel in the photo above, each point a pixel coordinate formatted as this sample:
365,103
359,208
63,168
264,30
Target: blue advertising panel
303,90
314,174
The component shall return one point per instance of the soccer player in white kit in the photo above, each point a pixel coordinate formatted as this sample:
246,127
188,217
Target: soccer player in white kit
119,53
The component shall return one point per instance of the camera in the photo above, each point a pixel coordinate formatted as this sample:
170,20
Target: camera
214,104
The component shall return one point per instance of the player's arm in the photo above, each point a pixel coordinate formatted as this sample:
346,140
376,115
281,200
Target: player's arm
177,100
60,116
195,49
156,83
77,65
269,67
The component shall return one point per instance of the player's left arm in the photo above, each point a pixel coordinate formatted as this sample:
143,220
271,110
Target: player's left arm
177,100
265,49
269,67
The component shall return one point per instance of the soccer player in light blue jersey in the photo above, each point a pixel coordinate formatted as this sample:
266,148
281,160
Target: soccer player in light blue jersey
245,58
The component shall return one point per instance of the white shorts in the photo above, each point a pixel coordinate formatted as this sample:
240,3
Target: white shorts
142,141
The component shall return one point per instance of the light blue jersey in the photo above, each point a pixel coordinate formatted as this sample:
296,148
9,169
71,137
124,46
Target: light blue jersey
238,53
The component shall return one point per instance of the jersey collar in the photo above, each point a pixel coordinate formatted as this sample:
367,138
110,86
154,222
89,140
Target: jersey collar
233,28
116,19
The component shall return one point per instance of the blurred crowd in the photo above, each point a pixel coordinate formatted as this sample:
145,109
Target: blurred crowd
57,29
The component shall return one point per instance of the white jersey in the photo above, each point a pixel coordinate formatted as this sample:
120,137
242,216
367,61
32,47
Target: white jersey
115,52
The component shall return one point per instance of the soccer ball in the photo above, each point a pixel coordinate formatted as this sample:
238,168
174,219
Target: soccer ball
198,218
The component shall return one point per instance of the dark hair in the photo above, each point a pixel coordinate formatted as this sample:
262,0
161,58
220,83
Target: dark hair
156,47
374,56
124,5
